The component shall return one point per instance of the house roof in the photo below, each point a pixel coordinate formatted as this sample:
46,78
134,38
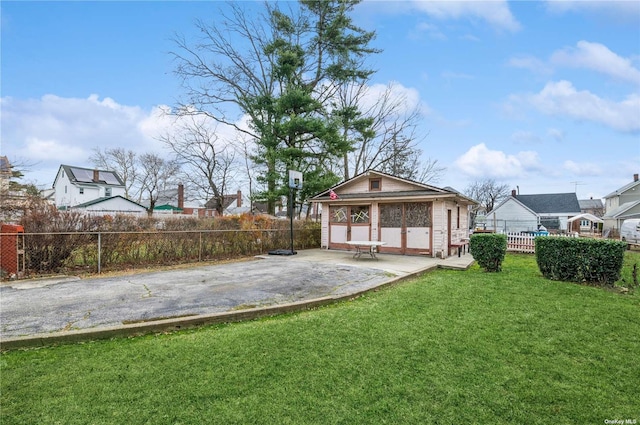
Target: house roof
623,189
227,200
105,199
623,211
586,216
5,166
422,189
589,204
551,203
80,175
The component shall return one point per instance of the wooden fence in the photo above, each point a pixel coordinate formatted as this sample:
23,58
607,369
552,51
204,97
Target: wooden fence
525,242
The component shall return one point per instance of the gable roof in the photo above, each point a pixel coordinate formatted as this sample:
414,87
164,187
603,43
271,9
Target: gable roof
551,203
623,211
80,175
587,204
105,199
227,201
623,189
507,200
421,189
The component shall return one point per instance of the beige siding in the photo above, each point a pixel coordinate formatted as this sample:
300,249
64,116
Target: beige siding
388,185
324,240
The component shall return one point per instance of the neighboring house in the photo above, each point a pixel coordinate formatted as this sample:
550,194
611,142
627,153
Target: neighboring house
233,205
76,185
409,217
592,206
622,204
110,206
592,211
172,201
525,213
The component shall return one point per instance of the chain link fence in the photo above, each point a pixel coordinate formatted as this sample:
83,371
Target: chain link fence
44,254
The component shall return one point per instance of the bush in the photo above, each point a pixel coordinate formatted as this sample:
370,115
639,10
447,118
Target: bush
488,249
580,260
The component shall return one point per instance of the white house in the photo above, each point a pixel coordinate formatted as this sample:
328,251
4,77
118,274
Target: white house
76,185
522,213
622,204
111,206
409,217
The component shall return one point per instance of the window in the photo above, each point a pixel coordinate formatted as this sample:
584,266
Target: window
65,189
107,191
82,191
458,219
375,184
338,214
360,214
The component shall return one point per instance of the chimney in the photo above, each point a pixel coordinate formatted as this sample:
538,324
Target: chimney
96,176
239,199
181,196
635,177
513,193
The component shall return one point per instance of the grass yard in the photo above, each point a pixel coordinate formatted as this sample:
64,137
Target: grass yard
447,348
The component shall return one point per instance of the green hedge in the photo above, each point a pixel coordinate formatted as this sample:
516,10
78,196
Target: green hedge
580,260
488,249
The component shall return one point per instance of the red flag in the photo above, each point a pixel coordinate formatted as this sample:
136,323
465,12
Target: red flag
332,195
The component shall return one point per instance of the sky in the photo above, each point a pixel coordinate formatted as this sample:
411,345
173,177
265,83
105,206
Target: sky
541,96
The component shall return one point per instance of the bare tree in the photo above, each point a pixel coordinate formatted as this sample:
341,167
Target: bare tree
207,162
384,134
488,193
156,175
125,163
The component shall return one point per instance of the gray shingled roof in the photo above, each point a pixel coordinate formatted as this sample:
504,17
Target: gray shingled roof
551,203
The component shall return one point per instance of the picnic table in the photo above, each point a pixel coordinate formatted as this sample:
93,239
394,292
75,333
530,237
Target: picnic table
369,247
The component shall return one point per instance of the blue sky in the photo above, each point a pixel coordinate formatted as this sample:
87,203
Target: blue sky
543,95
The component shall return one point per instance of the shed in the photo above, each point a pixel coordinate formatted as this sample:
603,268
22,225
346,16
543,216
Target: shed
409,217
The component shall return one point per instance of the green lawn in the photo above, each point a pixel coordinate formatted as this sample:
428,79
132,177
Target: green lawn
448,348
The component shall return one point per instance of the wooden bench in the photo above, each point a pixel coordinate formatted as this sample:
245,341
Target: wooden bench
462,246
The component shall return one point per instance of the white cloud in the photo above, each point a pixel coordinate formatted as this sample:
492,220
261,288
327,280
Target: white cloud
582,169
479,161
431,30
496,13
52,130
620,9
561,98
599,58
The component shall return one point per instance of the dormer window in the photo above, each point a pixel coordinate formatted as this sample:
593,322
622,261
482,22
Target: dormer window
107,191
375,185
82,191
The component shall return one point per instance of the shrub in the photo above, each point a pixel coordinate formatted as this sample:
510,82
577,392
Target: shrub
488,249
580,260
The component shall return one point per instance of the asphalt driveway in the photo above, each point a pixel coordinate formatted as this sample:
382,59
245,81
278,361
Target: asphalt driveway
56,306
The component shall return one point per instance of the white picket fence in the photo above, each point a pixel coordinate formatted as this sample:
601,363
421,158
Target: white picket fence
523,242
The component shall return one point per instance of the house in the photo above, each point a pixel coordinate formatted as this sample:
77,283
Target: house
409,217
172,201
620,205
592,206
525,213
234,205
110,206
76,185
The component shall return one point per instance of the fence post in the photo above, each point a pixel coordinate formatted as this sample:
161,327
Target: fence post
99,251
200,248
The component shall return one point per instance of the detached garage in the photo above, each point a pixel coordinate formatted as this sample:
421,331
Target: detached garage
409,217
